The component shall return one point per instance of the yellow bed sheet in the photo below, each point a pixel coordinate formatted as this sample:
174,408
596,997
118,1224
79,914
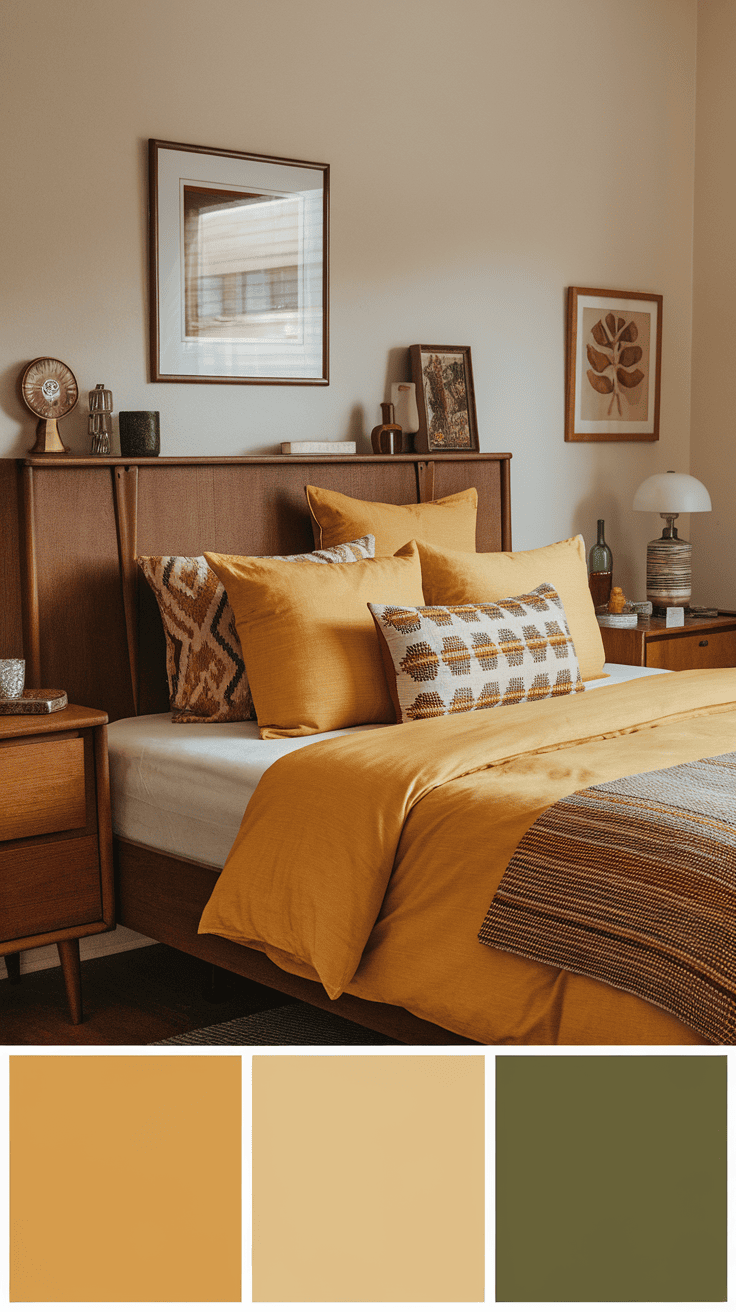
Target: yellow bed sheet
369,862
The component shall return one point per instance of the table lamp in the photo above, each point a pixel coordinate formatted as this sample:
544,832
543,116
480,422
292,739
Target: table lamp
669,558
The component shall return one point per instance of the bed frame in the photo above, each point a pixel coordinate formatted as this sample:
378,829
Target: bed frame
74,604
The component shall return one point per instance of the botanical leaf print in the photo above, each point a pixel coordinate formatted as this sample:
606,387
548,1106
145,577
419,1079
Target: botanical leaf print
610,372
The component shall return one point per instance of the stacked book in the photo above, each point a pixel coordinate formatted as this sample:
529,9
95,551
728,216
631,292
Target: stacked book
318,448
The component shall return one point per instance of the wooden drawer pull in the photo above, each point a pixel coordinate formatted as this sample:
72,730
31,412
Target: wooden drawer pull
703,642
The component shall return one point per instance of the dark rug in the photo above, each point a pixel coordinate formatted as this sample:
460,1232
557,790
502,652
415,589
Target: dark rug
297,1025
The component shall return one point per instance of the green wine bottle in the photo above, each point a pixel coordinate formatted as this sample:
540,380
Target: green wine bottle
600,569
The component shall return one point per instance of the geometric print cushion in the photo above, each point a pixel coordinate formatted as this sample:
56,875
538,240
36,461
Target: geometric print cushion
206,672
441,660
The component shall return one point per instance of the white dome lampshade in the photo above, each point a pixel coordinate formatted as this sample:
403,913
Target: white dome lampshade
669,558
672,494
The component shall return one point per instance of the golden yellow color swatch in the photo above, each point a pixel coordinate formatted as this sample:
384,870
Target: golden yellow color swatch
368,1178
125,1179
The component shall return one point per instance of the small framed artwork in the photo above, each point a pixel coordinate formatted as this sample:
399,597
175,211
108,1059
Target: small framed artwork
614,358
238,258
445,398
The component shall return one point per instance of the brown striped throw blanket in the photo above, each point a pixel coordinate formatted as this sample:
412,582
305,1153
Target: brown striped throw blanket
634,883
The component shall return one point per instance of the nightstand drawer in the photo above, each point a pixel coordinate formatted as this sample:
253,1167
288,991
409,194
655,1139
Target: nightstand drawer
693,651
47,886
42,789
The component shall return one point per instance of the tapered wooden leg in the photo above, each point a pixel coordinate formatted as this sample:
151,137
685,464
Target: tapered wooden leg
12,965
69,958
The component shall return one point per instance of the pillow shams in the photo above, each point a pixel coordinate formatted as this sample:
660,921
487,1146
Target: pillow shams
451,578
448,522
204,659
312,653
441,660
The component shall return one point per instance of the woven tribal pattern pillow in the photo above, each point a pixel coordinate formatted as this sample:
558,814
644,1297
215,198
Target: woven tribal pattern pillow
440,660
204,660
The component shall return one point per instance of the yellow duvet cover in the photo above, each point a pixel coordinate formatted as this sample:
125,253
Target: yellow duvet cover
368,862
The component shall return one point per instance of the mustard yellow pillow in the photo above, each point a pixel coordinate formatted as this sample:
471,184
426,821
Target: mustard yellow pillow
449,522
311,650
451,578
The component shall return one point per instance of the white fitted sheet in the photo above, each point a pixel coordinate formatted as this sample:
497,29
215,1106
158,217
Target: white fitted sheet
183,788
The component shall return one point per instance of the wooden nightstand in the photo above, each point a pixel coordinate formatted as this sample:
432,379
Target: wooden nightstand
56,881
699,645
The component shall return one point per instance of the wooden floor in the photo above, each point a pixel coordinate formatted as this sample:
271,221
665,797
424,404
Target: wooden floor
135,997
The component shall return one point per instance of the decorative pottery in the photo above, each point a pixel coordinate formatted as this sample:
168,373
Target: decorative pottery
406,413
387,438
139,432
99,421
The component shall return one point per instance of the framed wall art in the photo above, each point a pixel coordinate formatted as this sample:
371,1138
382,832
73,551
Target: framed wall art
614,358
238,250
445,398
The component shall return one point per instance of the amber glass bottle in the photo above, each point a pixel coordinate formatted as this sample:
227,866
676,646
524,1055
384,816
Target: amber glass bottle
600,569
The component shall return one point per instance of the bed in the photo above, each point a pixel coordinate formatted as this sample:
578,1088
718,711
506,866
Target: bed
73,529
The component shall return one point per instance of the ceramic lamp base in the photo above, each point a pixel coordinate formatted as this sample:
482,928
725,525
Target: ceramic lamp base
669,572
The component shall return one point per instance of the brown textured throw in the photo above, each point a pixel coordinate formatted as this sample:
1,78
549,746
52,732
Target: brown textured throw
634,882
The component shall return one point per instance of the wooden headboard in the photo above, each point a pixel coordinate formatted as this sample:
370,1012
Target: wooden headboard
70,530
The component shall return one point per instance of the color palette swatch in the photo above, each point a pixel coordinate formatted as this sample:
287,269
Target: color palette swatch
611,1178
369,1175
125,1178
368,1178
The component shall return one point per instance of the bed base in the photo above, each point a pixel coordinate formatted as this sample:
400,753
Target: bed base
162,897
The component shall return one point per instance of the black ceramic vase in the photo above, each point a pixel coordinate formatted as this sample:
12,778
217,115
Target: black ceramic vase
140,433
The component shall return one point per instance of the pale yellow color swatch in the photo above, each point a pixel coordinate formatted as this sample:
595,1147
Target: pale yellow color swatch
368,1178
125,1179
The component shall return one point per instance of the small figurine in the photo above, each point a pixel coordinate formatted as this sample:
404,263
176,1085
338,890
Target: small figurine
616,602
99,420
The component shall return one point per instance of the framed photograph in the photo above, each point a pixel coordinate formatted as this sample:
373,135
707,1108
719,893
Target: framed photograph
238,267
445,398
614,358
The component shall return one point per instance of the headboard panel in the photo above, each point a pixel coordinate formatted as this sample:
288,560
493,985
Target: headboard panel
70,530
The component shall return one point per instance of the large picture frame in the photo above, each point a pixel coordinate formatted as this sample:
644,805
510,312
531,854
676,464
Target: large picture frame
238,267
445,398
613,369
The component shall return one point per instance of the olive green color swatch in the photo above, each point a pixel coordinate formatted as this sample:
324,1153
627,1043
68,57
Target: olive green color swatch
611,1178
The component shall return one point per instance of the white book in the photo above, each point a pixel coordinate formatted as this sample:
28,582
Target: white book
318,448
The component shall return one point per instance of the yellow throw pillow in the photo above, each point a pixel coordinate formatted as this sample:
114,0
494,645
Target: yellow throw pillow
204,662
449,522
451,578
311,650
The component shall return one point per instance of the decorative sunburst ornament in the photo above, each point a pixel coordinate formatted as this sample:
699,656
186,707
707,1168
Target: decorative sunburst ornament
50,391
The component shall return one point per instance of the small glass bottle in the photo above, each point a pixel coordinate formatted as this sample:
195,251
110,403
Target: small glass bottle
600,569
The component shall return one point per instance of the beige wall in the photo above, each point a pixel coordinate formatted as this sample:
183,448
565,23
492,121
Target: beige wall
484,156
713,444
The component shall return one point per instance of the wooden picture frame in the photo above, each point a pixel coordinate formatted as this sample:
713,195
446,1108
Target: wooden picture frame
445,398
238,267
613,368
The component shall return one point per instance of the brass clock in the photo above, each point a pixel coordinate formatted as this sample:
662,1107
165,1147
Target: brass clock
50,391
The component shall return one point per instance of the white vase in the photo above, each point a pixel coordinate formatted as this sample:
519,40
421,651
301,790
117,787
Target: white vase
404,399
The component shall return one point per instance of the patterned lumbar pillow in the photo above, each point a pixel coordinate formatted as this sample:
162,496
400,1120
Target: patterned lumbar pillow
443,659
204,660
